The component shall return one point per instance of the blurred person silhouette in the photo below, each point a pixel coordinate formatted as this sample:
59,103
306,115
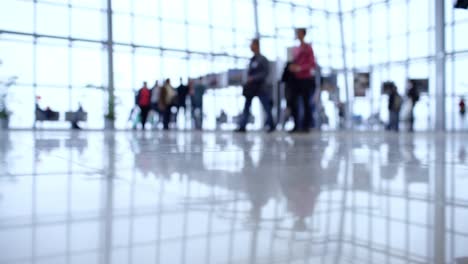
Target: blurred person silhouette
134,116
257,85
394,106
341,114
197,91
155,91
301,185
288,79
259,187
182,93
301,188
389,166
413,96
304,84
144,103
415,172
221,119
47,113
76,117
166,101
462,111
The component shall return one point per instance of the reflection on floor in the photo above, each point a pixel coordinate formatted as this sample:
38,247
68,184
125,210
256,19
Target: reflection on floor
124,197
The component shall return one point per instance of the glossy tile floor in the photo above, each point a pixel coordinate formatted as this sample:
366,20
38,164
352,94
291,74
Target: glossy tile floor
136,197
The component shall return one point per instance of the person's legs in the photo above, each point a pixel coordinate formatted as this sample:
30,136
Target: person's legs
166,117
305,90
74,125
194,115
393,121
246,113
197,117
200,121
411,120
397,121
144,115
266,103
313,108
295,107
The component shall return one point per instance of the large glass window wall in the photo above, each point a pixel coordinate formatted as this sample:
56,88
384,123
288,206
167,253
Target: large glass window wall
57,50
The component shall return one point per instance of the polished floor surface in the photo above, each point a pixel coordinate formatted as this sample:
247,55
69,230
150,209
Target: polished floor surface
181,197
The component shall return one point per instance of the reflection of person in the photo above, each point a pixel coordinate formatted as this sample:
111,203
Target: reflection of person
301,185
197,103
144,103
301,191
257,86
413,96
388,170
259,187
462,155
302,66
414,173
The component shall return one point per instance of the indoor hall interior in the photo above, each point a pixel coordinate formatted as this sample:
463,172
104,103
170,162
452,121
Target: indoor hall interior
126,135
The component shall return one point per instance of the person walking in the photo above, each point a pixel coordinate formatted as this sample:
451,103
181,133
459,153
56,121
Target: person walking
144,103
182,93
394,106
197,92
257,86
304,84
166,101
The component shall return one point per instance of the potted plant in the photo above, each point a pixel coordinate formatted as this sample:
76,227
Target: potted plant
109,118
4,118
4,113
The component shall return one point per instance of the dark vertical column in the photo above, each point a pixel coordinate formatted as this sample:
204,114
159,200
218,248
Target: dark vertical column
110,68
345,67
440,65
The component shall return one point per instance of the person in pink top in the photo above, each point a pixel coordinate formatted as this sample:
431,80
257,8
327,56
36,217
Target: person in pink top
302,66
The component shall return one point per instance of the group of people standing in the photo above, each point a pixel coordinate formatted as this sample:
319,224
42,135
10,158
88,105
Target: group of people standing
300,84
395,103
166,101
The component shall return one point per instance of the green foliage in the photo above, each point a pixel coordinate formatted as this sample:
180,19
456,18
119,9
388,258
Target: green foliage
4,114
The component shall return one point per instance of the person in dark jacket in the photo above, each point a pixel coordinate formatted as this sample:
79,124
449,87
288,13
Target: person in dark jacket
288,79
259,69
182,93
394,106
413,95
